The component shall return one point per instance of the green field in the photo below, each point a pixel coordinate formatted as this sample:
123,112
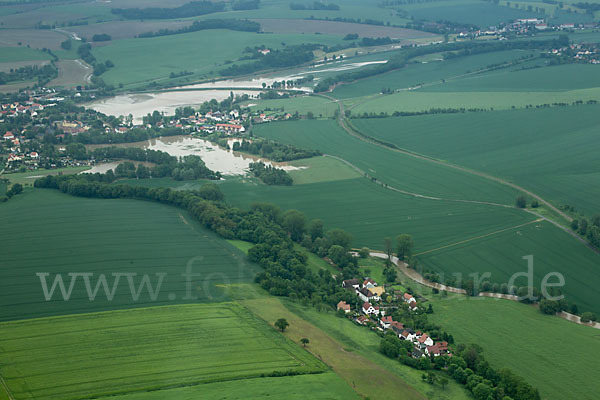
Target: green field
431,71
545,79
552,151
501,256
27,178
538,347
135,59
395,169
15,54
319,106
326,386
467,12
321,169
146,349
60,234
418,100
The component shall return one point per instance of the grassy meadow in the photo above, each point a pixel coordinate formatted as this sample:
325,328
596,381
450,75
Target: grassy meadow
60,234
319,106
143,350
550,151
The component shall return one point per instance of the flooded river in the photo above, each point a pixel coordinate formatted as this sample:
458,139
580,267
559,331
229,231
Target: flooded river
227,162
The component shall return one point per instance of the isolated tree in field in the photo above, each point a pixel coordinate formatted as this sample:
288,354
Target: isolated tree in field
281,324
304,341
404,245
443,382
521,202
295,223
387,245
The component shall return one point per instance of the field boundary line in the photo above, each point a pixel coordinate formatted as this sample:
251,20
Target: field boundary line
480,237
5,387
351,130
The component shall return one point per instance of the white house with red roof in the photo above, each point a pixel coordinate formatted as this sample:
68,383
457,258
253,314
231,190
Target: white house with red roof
8,136
386,322
433,350
425,340
412,306
369,309
407,297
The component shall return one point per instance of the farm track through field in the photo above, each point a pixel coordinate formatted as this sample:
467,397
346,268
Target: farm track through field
359,135
5,388
480,237
417,277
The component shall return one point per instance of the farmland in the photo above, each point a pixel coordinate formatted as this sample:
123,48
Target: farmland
72,73
501,255
393,168
108,237
142,350
419,73
501,140
196,52
301,104
541,347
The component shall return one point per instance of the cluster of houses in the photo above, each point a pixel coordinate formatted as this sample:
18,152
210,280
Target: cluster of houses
371,294
524,26
11,110
580,52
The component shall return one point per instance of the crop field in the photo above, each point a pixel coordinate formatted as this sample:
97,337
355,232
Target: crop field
393,168
530,343
141,241
35,38
127,29
524,146
433,71
372,213
501,254
546,79
325,386
338,28
27,178
145,349
500,100
195,52
321,169
467,12
280,9
17,54
8,66
319,106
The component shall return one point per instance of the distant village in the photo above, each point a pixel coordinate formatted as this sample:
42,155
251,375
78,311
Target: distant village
524,26
376,304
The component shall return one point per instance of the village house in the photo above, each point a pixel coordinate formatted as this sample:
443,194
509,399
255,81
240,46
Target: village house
412,306
230,128
8,136
366,295
351,283
407,297
425,340
369,283
342,305
369,309
386,322
377,291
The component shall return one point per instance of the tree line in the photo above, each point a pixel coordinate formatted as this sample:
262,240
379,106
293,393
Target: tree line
288,57
43,73
270,149
191,9
231,24
317,5
270,175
